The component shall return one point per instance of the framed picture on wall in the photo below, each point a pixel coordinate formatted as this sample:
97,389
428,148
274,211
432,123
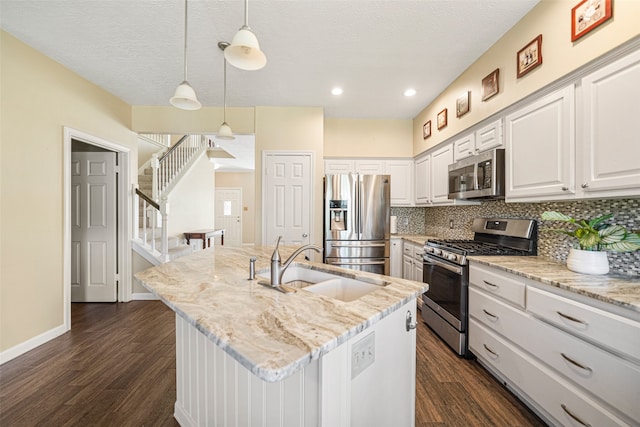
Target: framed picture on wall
530,56
490,84
587,15
426,130
442,119
462,104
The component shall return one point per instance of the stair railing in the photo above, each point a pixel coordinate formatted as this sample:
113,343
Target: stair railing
145,230
167,167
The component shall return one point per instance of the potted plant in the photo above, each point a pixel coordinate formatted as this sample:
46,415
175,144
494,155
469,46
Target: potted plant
594,238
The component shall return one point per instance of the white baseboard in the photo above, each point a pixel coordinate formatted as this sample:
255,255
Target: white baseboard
139,296
30,344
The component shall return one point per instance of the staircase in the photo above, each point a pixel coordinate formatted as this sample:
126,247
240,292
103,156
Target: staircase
156,179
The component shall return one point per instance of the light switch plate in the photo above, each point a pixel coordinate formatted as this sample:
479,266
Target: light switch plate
363,354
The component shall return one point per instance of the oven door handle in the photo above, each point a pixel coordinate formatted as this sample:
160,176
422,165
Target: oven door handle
432,261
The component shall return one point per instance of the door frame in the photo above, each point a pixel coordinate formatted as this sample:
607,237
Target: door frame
239,189
271,153
123,228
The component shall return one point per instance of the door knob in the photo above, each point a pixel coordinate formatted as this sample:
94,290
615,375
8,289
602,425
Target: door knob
305,235
409,322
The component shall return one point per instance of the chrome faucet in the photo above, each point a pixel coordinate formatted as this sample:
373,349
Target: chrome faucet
278,269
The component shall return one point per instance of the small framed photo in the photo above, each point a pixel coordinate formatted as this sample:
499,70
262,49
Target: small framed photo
530,56
587,15
462,104
491,85
442,119
426,130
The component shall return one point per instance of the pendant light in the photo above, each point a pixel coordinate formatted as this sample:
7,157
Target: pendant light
185,97
244,51
225,130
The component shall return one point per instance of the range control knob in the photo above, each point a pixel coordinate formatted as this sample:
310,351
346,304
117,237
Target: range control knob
437,252
430,250
452,257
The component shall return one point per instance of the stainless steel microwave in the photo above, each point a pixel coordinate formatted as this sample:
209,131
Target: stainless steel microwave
479,176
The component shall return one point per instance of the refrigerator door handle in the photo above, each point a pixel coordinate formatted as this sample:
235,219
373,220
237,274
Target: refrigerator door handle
355,262
357,246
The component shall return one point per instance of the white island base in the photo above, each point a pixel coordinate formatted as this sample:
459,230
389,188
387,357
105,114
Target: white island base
348,386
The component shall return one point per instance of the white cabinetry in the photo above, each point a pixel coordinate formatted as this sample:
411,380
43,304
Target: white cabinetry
610,147
412,261
395,258
440,161
339,166
401,172
540,148
369,167
568,360
485,138
423,179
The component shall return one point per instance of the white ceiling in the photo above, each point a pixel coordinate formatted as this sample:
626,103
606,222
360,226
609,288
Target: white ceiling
373,49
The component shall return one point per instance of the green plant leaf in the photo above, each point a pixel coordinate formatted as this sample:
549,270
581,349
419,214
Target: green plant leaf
588,239
623,246
556,216
612,234
599,219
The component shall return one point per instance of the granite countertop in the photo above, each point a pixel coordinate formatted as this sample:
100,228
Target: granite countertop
415,238
270,333
623,291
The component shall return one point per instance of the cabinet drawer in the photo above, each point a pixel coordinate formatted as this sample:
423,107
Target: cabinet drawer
497,315
536,383
617,333
504,285
408,249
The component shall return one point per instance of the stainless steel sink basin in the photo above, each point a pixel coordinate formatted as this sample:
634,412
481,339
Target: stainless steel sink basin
323,283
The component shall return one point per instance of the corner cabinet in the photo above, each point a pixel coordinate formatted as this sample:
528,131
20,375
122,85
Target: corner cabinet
610,145
540,148
573,360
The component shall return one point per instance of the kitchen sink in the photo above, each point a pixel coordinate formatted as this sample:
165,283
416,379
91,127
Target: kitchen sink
322,283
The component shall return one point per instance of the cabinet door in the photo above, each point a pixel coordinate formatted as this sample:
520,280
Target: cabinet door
541,148
423,178
396,257
401,172
440,161
610,147
489,136
338,166
407,267
464,147
369,167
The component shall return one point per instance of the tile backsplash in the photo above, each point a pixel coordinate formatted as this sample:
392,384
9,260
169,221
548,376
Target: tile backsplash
550,244
436,221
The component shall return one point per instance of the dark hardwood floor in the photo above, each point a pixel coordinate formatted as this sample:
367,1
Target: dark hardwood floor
116,367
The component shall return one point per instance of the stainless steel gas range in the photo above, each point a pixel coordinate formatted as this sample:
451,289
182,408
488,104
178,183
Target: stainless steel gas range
445,306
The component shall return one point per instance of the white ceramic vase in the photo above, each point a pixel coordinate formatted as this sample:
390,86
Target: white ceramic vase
588,262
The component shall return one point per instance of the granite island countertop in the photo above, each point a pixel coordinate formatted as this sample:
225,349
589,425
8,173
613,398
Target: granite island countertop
620,290
271,334
419,239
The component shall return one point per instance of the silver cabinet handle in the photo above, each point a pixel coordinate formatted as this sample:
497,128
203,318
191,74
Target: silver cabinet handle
490,351
490,284
490,314
585,185
573,362
575,417
409,322
571,318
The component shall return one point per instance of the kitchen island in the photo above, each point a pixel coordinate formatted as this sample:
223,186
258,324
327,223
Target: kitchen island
247,354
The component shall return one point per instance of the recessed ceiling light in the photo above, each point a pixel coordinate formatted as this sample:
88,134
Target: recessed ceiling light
409,92
336,91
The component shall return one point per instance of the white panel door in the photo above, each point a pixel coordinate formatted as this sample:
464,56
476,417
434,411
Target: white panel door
93,227
287,198
228,215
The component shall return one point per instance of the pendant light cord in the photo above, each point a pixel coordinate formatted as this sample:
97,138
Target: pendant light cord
224,95
246,13
185,40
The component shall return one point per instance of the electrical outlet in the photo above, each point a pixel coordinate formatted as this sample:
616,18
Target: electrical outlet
363,354
405,221
451,224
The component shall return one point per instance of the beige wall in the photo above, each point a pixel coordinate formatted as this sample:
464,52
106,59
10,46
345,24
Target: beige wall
168,119
551,18
282,128
367,138
39,97
246,181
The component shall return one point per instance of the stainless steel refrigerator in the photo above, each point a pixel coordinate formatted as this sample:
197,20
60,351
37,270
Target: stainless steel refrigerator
356,222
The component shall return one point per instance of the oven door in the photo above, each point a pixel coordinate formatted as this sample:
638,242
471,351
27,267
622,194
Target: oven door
447,290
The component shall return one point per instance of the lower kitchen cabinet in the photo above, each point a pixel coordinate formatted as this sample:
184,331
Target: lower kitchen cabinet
412,261
395,258
572,363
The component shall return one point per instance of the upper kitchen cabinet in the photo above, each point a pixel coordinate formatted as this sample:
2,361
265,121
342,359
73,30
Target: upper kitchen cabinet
610,148
540,148
362,166
401,172
422,168
440,161
369,167
339,166
485,138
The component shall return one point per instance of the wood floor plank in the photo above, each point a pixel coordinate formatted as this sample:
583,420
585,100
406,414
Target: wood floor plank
116,367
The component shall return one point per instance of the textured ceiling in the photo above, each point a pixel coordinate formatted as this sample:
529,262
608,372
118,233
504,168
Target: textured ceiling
373,49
